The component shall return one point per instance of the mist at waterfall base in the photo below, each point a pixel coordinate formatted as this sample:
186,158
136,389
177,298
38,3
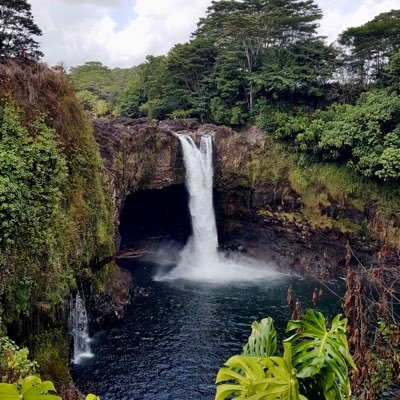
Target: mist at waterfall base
177,333
193,309
200,260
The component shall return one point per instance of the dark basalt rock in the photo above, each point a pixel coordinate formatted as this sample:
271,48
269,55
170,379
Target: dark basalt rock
145,154
109,304
70,392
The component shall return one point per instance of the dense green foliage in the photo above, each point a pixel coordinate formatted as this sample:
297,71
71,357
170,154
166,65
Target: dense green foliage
365,135
55,214
33,171
98,86
14,362
262,61
314,364
17,30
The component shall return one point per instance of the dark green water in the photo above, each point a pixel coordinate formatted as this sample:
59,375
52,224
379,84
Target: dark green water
172,342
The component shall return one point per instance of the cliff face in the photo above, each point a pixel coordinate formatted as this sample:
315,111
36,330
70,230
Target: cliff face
56,215
300,217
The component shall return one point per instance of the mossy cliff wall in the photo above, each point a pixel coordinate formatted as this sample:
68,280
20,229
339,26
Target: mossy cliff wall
56,212
303,216
299,216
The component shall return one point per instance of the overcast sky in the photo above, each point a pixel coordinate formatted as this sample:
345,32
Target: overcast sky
122,32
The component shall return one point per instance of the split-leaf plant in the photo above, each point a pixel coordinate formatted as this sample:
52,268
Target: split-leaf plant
314,364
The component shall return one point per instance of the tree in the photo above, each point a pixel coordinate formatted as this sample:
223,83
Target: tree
369,46
96,78
392,72
133,96
191,66
301,69
251,26
17,29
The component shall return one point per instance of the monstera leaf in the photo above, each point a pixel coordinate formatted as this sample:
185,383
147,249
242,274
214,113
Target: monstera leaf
245,375
269,378
281,379
31,388
263,339
318,351
8,391
321,386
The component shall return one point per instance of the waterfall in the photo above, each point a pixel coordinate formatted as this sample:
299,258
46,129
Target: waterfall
79,329
201,249
200,260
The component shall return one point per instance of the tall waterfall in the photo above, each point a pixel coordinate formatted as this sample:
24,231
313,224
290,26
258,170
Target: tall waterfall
200,260
202,246
79,329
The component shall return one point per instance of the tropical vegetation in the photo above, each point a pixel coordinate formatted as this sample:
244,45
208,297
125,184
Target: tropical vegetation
18,379
263,62
18,30
314,365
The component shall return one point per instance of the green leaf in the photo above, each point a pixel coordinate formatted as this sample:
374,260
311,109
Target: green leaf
8,391
32,388
247,376
92,397
281,377
263,339
270,378
318,351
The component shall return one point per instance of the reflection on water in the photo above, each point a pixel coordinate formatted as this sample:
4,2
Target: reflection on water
172,342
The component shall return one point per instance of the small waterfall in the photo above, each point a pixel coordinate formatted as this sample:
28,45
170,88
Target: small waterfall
200,260
79,329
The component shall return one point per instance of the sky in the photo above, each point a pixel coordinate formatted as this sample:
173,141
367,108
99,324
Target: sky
121,33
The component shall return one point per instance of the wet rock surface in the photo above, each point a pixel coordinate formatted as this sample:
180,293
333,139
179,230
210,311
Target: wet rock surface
263,216
109,304
70,392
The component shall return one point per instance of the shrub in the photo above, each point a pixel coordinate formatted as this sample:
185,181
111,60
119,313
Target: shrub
366,135
14,362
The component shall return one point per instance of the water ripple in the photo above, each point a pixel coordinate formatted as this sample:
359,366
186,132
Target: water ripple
172,342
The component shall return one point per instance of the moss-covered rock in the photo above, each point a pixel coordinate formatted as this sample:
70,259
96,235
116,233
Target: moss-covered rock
56,205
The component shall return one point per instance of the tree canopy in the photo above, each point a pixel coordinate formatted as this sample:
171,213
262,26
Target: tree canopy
248,29
369,46
17,30
263,61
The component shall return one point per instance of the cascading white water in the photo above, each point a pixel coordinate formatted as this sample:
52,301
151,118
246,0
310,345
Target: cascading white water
202,246
79,330
200,260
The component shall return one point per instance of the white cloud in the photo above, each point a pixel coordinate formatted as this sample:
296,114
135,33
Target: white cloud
342,14
76,31
110,3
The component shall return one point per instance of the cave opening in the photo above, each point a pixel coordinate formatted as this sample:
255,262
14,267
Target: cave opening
152,216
